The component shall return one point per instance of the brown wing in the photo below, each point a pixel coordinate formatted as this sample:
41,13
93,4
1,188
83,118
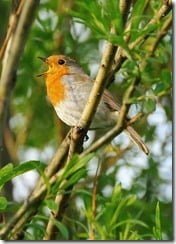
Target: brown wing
109,101
113,106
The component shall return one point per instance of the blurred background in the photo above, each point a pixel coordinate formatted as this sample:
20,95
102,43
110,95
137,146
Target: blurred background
32,130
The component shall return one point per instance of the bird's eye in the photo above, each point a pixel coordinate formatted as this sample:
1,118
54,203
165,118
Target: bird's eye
61,61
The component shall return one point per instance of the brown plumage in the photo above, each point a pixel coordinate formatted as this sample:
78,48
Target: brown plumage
68,89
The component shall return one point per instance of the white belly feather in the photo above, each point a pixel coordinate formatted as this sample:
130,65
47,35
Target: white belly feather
70,110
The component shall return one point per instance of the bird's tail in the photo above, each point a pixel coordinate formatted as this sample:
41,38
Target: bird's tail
137,139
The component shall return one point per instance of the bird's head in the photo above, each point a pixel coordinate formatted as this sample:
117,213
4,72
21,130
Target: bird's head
60,65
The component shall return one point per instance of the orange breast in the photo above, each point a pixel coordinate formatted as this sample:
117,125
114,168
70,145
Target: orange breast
55,88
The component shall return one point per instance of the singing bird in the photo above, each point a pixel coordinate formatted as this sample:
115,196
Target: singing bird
68,89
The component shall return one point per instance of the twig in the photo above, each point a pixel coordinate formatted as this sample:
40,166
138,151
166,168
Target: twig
10,144
163,31
124,6
50,230
94,192
56,162
134,118
120,56
13,20
16,231
165,8
51,227
76,141
14,49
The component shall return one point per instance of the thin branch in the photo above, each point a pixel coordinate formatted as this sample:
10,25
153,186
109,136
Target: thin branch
124,6
118,62
94,205
134,118
14,50
56,163
163,31
10,144
120,56
165,8
51,227
16,231
13,20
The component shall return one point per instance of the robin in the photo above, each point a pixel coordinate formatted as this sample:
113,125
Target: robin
68,89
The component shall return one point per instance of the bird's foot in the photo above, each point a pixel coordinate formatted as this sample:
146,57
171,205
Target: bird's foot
81,130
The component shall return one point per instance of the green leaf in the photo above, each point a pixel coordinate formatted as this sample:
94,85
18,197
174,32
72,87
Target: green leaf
157,228
80,224
100,16
131,199
166,78
115,16
159,87
6,173
37,230
76,163
72,172
75,178
132,221
27,166
3,203
62,228
149,105
137,17
10,171
116,192
122,203
12,207
51,204
118,40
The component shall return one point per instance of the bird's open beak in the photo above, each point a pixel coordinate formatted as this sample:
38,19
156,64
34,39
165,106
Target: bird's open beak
45,61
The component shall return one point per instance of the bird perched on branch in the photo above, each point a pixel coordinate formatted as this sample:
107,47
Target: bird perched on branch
68,89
